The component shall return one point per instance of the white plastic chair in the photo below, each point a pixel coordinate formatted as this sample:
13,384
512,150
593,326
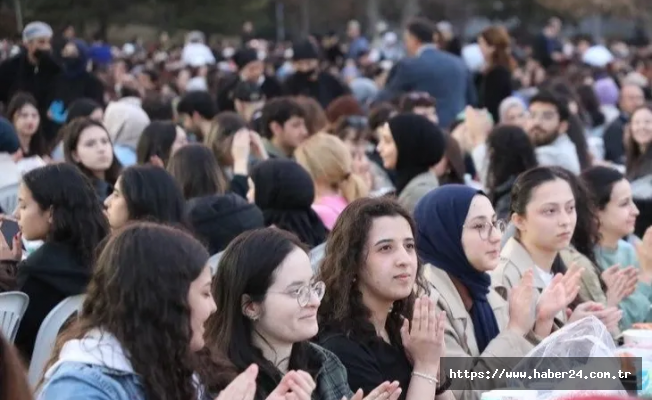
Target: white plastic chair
12,309
47,335
9,198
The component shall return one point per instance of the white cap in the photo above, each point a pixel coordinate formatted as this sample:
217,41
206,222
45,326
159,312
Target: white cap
36,30
597,56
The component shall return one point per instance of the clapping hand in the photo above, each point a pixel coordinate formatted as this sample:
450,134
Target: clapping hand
423,337
386,391
521,303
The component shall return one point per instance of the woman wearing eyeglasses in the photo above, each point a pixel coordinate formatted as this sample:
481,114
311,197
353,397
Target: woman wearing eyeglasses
458,236
267,301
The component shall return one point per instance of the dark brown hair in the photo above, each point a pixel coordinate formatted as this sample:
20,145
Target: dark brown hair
13,379
639,163
342,308
195,169
71,134
498,38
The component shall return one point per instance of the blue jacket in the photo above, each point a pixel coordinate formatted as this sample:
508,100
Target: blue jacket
440,74
94,368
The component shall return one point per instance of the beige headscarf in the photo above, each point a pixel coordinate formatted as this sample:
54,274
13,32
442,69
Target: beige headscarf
125,122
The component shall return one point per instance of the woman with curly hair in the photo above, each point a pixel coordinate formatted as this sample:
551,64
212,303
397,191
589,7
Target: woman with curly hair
371,316
58,205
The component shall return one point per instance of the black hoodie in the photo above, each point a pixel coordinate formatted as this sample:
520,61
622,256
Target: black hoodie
48,276
217,220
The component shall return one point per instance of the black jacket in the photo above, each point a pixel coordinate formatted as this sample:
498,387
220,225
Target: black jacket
217,220
48,276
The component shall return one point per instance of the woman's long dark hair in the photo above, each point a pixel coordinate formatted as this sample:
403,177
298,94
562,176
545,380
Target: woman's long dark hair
248,267
13,379
157,140
139,294
195,169
151,193
78,218
71,134
342,308
38,146
511,153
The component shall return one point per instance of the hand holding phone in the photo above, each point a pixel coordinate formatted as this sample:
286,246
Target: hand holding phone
10,241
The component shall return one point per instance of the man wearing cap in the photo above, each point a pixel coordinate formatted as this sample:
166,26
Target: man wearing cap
249,99
250,69
33,70
308,80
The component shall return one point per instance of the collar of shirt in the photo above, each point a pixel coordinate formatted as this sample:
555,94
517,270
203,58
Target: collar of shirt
426,47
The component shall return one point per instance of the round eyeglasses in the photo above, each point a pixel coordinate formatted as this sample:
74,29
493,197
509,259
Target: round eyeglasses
485,229
304,293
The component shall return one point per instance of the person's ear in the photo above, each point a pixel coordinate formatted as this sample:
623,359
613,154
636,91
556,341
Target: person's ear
519,222
250,309
276,128
74,156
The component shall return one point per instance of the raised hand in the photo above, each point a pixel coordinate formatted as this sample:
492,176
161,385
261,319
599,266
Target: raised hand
257,146
571,282
13,252
386,391
423,338
243,387
644,252
295,385
521,305
622,286
553,299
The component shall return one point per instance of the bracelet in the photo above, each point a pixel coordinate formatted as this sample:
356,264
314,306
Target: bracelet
429,378
444,387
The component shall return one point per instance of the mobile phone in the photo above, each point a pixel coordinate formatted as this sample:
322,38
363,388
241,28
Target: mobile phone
9,229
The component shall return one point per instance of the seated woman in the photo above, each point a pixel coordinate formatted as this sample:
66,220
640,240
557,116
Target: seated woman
329,163
87,145
58,205
411,145
216,217
458,235
267,300
284,191
113,351
371,315
617,213
148,193
544,216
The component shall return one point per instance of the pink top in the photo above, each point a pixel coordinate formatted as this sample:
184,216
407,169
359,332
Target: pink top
329,208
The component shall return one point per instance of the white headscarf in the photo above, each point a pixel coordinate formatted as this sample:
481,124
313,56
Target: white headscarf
125,122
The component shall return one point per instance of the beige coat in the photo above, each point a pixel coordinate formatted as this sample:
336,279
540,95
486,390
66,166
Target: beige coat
460,337
416,189
515,261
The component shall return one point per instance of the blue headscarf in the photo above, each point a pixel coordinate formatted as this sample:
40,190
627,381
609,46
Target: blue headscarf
440,217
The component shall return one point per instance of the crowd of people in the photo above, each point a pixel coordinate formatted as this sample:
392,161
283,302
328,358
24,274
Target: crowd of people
323,221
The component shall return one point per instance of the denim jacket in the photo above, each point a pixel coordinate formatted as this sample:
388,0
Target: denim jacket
94,367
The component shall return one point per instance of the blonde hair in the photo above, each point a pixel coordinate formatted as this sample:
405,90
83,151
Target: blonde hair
328,161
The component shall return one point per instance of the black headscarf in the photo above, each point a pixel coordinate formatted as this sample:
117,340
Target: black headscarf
285,193
420,144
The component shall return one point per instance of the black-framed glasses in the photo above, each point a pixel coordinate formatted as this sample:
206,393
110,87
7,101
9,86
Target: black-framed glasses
304,293
485,229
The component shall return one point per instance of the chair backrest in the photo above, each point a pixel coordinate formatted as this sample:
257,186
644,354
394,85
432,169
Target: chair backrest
12,309
9,198
47,335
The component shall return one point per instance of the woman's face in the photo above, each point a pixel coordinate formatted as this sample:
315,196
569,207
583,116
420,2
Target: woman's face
94,150
34,222
642,127
251,193
116,207
387,148
480,240
282,320
619,216
550,216
516,116
202,305
27,120
180,141
390,270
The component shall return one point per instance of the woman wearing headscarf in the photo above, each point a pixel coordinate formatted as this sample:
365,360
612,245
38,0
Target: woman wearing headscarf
125,122
412,145
458,236
284,191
